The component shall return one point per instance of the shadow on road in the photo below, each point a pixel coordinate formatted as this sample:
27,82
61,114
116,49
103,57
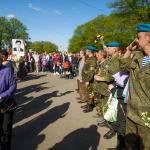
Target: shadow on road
65,93
81,139
34,77
29,89
26,136
34,106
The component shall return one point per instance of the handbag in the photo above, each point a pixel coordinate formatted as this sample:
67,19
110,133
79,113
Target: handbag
110,109
6,105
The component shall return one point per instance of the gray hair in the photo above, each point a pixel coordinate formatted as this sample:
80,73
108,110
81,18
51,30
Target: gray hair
103,53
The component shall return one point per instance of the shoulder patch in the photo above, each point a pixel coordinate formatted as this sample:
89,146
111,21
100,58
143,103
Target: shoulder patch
107,66
91,68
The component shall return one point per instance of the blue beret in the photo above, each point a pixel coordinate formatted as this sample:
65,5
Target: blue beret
91,48
143,27
113,44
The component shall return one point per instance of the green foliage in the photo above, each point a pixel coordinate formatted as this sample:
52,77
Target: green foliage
3,21
44,46
139,10
119,26
11,29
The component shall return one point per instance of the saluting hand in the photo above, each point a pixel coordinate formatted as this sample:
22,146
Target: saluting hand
134,45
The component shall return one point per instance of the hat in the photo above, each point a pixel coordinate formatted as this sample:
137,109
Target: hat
113,44
143,27
91,48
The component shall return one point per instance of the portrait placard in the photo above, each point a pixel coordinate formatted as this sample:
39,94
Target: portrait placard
18,47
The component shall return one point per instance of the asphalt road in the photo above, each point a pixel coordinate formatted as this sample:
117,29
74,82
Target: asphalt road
48,117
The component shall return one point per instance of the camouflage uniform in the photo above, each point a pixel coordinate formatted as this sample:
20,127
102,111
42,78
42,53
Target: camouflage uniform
113,69
88,72
100,88
139,101
103,85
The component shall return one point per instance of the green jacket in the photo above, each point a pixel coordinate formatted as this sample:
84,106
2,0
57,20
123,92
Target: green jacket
102,71
139,97
113,69
88,70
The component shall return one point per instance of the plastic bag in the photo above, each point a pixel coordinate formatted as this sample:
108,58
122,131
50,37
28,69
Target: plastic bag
110,109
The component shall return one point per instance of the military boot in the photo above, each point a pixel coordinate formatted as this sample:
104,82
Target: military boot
85,106
88,109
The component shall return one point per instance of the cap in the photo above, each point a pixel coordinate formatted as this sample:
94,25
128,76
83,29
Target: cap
143,27
91,48
113,44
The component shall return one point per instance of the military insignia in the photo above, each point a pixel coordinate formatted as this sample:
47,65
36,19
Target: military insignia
91,68
107,66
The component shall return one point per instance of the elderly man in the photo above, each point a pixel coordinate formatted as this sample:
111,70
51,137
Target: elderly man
18,46
88,72
7,88
100,88
137,133
112,51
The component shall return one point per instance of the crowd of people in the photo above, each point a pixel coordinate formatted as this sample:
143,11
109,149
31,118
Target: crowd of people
52,62
119,76
123,74
61,64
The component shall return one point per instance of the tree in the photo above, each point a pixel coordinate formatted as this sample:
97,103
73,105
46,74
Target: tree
3,21
44,46
137,10
84,34
15,30
11,29
75,43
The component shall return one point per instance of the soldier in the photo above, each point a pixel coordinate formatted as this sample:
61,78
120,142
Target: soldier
137,132
100,88
112,50
88,72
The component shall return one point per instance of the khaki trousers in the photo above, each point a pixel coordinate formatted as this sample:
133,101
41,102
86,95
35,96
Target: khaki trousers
137,137
81,91
37,66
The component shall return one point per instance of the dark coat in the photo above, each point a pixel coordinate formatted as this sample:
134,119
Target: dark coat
119,125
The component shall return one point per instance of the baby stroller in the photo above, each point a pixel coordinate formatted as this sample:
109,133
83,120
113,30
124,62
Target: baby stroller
65,70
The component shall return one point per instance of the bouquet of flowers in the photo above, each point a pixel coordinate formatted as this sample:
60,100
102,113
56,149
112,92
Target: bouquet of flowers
19,59
91,95
99,39
146,119
16,58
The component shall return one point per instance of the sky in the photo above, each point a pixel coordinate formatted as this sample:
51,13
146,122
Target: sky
53,20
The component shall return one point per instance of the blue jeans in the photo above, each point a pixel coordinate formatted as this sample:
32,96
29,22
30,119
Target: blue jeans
74,71
44,68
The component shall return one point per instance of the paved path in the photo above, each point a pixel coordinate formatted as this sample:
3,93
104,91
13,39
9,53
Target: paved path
48,117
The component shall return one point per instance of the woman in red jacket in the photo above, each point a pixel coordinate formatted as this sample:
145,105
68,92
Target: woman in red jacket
55,58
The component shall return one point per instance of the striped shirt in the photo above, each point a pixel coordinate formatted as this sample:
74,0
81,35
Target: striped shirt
145,61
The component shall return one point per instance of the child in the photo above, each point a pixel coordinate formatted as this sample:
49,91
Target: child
44,61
